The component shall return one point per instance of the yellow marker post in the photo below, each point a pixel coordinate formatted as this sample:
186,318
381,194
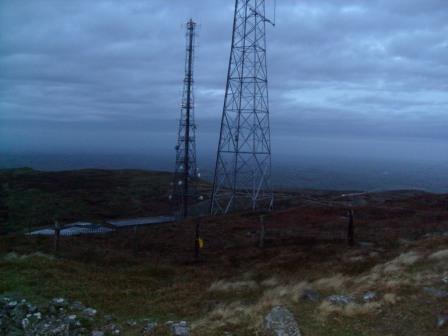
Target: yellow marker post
198,242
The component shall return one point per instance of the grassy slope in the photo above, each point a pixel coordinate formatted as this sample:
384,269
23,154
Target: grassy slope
162,283
117,283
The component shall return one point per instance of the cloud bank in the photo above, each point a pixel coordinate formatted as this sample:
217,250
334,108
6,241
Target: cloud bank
364,67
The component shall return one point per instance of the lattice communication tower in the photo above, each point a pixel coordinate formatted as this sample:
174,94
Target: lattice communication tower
185,172
242,178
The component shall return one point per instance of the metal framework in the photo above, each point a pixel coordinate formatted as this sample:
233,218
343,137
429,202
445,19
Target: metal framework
243,163
185,172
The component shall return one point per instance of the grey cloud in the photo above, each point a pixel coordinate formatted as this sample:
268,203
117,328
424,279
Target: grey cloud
349,66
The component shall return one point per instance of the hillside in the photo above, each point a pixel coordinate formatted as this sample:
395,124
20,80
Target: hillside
394,281
396,289
32,198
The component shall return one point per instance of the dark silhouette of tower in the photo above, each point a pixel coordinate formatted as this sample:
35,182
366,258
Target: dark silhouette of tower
185,172
243,163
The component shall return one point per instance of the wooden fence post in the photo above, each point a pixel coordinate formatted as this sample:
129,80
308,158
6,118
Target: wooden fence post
351,229
57,233
262,231
135,247
196,239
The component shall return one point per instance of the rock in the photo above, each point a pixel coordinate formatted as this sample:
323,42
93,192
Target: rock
281,322
112,329
89,312
34,317
131,323
179,328
445,279
60,329
149,328
55,318
4,300
437,293
73,321
97,333
25,323
72,317
442,321
369,296
58,302
19,312
31,308
341,300
108,318
311,295
77,306
11,304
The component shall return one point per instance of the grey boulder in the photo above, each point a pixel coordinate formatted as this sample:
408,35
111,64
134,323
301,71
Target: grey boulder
442,321
281,322
179,328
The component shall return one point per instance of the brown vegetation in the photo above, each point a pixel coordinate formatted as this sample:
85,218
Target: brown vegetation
235,282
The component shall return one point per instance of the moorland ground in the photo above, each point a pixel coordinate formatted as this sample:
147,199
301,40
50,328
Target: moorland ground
235,282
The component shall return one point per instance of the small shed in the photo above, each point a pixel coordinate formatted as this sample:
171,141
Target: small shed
122,223
74,229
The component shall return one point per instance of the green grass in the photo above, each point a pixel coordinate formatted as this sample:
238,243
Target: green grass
108,289
130,288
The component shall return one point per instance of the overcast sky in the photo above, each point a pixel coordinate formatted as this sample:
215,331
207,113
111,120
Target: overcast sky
82,71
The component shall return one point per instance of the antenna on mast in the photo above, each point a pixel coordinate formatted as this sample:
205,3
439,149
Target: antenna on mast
275,11
185,172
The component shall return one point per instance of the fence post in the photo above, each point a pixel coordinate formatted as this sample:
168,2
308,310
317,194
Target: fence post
57,233
351,229
196,239
262,231
135,247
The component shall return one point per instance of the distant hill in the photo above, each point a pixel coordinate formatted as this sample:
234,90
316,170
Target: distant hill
31,198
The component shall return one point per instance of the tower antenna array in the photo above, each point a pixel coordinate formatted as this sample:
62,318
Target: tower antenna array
185,172
243,165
